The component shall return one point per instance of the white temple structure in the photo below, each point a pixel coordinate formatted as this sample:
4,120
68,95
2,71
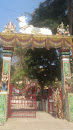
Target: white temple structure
30,29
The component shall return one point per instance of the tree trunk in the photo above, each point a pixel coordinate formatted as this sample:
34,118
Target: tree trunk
70,14
42,90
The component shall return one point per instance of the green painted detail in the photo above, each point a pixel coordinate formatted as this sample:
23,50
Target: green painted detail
2,108
6,67
66,72
63,89
62,77
65,53
7,54
70,98
66,69
7,51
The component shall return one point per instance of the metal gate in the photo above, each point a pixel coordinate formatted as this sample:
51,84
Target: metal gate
22,102
50,100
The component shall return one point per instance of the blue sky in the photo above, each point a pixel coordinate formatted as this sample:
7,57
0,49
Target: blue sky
8,9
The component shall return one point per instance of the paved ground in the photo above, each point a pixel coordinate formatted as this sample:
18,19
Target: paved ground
43,121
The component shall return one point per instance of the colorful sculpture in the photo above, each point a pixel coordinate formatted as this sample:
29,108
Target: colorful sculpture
30,29
4,81
10,28
62,31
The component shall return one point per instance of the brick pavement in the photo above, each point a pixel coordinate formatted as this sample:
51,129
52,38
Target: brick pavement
43,121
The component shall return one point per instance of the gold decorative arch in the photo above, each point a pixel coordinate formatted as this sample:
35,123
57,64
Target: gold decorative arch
36,41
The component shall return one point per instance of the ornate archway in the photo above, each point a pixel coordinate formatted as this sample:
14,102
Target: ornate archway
11,40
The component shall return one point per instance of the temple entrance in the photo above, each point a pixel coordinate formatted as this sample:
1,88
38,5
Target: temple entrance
22,102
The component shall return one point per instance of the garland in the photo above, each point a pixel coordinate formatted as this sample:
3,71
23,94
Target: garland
39,41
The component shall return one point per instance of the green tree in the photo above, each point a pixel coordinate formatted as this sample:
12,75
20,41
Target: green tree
51,13
43,65
71,65
19,68
1,61
40,64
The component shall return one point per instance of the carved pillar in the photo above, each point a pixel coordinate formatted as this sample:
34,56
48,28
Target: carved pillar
65,72
7,55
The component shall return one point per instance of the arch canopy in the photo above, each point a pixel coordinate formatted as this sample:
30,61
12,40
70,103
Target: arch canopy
36,41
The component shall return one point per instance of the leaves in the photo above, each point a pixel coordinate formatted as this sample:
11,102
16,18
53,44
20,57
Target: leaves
1,62
19,68
51,13
44,65
40,64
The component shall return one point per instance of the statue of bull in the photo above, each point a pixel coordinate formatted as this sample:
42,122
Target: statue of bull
30,29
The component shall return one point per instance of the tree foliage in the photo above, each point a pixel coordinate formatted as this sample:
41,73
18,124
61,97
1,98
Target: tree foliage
1,61
43,65
40,64
71,64
19,68
51,13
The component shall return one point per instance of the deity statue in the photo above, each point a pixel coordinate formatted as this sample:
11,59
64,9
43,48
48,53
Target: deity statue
10,28
67,30
62,31
4,81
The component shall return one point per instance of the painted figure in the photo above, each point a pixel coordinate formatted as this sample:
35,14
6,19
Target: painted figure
4,81
62,31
